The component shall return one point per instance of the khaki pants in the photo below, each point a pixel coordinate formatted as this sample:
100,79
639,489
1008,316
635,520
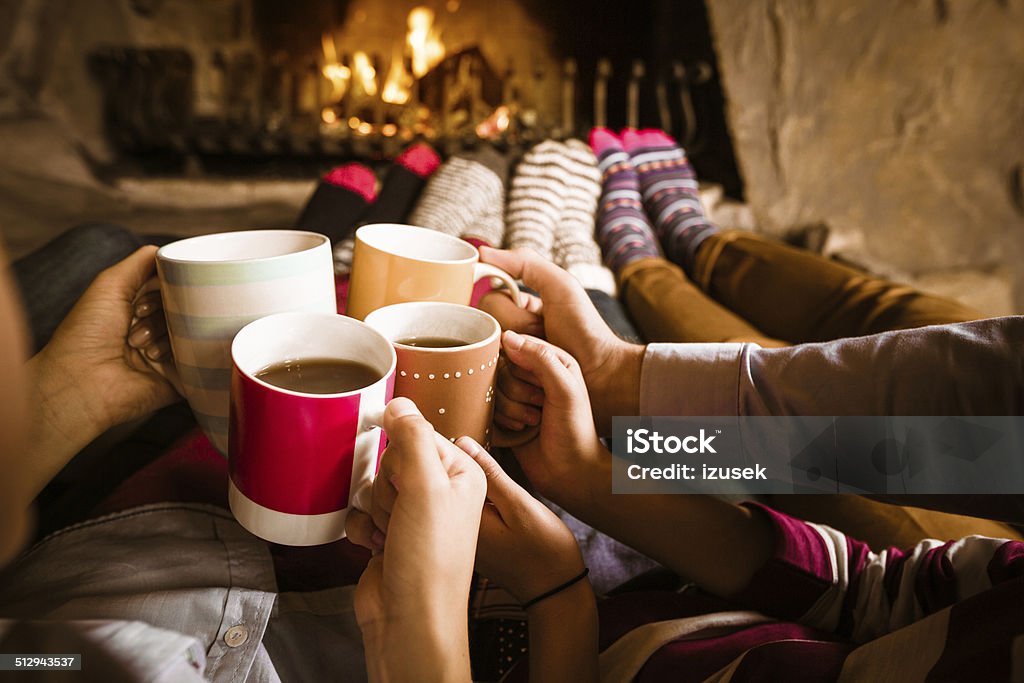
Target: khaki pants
751,289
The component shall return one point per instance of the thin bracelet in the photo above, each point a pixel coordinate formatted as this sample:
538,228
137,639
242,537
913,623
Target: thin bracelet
558,589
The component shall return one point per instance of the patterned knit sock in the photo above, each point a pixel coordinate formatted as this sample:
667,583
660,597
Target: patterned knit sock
536,199
457,196
669,186
402,184
339,202
574,248
623,230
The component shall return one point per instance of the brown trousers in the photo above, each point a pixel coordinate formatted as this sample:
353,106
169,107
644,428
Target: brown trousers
751,289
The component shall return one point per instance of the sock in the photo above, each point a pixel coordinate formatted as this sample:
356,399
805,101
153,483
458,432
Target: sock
457,196
669,186
339,201
574,248
536,200
489,227
402,184
623,230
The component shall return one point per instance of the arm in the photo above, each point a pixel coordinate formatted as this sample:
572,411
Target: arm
93,375
963,369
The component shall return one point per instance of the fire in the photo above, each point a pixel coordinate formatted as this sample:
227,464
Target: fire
364,73
333,70
424,41
495,124
398,84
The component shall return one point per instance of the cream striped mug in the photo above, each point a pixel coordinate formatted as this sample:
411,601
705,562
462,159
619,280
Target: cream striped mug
214,285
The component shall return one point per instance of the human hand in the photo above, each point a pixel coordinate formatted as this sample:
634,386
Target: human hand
543,385
423,522
98,350
523,546
565,316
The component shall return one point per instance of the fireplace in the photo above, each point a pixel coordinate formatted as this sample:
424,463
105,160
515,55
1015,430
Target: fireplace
262,86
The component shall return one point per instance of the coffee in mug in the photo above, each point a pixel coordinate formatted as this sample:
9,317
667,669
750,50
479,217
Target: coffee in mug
448,369
308,392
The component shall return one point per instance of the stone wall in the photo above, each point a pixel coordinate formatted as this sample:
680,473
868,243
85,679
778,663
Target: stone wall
899,125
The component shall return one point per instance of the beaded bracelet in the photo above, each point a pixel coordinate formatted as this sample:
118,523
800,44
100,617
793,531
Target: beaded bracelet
558,589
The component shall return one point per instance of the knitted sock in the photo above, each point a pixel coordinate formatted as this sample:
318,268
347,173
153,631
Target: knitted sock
536,199
339,201
623,230
574,248
669,186
402,184
456,197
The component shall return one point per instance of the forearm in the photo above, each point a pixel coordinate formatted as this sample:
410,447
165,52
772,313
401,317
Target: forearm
62,420
717,545
417,652
563,636
614,388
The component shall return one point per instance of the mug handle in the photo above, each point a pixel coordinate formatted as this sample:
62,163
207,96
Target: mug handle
482,270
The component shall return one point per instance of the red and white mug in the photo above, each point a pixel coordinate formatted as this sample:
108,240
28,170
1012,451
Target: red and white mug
298,459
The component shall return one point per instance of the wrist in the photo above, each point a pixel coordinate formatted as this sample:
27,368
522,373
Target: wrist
615,388
416,648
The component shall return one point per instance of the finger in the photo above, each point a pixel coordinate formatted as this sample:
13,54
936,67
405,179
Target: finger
508,423
525,320
147,302
515,410
526,376
556,370
130,274
411,441
537,273
158,350
519,390
382,500
501,489
140,334
360,529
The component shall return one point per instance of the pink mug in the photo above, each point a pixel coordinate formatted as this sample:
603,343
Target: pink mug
298,459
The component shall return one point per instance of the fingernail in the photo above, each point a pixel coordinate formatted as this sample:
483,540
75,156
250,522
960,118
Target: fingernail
516,425
154,352
532,418
377,538
513,340
400,407
139,336
469,445
143,308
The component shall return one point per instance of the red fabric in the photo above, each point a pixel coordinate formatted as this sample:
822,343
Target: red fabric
419,158
355,177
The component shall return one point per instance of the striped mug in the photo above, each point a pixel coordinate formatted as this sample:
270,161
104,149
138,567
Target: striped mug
214,285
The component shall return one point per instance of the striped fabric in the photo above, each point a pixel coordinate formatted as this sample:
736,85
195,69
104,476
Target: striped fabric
464,197
669,187
574,248
940,611
623,230
536,200
220,298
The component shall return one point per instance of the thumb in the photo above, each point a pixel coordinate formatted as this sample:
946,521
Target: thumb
501,489
555,369
131,273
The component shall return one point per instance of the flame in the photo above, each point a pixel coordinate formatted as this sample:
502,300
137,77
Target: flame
495,124
424,41
333,70
364,73
397,86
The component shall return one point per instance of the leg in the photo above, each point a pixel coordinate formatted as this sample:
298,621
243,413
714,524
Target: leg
668,307
53,277
803,297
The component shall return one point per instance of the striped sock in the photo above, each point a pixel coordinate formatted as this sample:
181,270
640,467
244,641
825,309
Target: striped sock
574,248
535,200
461,194
669,186
623,230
